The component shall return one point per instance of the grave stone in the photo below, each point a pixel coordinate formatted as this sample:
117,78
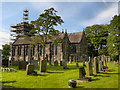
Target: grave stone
61,56
13,62
108,58
73,58
22,65
43,66
56,63
82,74
64,63
88,68
102,58
29,69
5,62
77,64
61,63
70,60
105,63
35,63
101,66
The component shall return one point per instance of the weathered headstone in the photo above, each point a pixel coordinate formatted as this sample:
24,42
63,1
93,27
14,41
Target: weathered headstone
109,59
64,63
106,57
61,63
105,63
13,62
73,58
70,60
61,56
88,68
5,62
102,58
22,65
101,66
43,66
56,63
35,63
29,69
82,74
77,65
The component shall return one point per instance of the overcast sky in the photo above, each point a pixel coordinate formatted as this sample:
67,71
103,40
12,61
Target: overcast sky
76,15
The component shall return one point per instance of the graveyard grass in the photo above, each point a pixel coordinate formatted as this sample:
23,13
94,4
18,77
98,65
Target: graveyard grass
56,77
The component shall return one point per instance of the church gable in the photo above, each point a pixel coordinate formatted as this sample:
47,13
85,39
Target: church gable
75,37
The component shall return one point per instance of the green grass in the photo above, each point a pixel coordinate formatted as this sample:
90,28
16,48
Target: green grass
56,77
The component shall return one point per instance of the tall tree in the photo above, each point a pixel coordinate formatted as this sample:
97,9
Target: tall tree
6,51
114,38
96,38
44,28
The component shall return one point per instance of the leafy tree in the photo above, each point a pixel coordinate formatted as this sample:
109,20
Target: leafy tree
97,39
114,38
6,51
44,29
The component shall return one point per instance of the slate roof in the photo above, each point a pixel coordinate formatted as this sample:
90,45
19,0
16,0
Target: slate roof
73,37
21,41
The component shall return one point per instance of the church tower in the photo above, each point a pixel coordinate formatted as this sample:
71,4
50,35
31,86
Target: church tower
22,28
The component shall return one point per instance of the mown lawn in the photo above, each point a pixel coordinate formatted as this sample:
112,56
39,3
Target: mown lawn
56,77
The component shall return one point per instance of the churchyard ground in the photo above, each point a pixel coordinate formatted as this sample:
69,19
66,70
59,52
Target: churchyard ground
57,77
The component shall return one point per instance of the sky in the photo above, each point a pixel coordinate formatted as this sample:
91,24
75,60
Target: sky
76,15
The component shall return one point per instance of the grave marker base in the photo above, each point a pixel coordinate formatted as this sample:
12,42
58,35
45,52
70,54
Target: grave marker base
85,79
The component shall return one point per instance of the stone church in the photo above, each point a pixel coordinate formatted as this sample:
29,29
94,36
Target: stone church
74,46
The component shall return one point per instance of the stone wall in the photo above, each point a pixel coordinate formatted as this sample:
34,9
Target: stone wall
77,50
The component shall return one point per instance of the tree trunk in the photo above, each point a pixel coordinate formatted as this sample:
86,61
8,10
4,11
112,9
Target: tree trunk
43,52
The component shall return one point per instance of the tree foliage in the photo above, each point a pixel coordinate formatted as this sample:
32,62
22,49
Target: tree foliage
44,28
114,38
6,51
104,39
96,37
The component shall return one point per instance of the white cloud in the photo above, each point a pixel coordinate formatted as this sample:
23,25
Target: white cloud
103,17
4,38
42,5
